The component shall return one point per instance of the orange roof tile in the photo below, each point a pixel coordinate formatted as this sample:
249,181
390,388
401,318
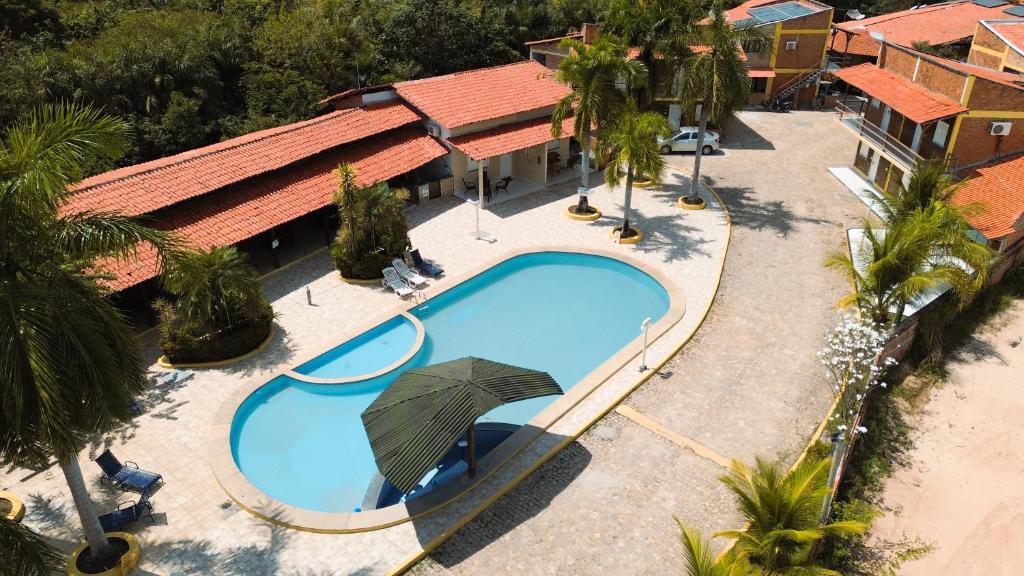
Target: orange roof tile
251,208
936,24
1012,32
485,94
914,101
149,186
508,138
998,187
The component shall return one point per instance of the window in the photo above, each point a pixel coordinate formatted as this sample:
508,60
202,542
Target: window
791,45
941,131
875,103
758,85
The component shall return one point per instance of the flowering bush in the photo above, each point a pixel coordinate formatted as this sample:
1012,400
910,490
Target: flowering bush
853,367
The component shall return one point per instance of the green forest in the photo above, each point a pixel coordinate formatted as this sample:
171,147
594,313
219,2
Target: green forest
185,73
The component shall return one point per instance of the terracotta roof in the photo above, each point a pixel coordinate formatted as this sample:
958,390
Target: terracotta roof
485,94
251,208
1011,31
761,73
998,187
149,186
508,138
936,24
914,101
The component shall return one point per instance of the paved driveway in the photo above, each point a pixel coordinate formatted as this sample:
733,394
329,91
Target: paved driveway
747,384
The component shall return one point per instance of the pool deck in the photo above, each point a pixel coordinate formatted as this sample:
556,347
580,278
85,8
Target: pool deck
199,530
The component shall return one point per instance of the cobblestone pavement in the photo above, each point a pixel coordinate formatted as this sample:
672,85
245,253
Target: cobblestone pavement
197,528
747,384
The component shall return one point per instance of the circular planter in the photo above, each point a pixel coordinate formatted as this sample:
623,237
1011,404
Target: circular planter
165,363
642,184
359,281
631,240
681,202
11,507
128,563
582,217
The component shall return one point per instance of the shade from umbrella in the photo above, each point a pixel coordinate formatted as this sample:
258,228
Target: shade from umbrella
418,418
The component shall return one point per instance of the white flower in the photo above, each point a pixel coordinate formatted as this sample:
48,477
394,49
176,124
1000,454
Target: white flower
883,384
862,429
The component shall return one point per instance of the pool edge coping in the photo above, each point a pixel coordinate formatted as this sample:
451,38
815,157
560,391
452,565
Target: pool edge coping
251,499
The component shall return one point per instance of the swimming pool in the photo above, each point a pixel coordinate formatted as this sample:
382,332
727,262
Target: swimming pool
565,313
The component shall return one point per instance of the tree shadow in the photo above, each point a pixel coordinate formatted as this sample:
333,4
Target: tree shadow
976,350
556,193
738,135
279,351
747,212
519,505
667,235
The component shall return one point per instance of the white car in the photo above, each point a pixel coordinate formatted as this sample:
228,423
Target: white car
686,141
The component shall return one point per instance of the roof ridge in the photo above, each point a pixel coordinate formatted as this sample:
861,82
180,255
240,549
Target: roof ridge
902,13
278,130
526,62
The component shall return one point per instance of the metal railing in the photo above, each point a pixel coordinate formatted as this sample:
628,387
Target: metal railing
897,151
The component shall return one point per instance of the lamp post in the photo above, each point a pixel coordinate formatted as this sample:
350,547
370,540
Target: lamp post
644,327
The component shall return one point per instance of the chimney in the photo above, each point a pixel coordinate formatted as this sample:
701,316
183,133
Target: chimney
591,32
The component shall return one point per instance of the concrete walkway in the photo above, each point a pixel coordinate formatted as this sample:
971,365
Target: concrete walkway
198,530
748,384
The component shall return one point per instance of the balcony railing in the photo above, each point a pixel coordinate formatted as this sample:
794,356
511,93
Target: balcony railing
890,146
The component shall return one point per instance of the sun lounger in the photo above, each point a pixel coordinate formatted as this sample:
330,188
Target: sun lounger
394,281
407,274
425,266
126,513
126,476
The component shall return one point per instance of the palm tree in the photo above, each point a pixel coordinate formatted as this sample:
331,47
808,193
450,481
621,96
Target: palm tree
346,197
702,561
70,362
929,182
782,512
592,71
633,142
25,553
214,288
716,80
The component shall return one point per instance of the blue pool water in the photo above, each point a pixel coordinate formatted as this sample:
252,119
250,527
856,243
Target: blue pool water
563,313
369,352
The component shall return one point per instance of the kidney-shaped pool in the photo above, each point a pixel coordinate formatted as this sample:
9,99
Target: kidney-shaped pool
565,313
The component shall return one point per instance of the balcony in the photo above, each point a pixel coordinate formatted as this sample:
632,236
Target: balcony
890,147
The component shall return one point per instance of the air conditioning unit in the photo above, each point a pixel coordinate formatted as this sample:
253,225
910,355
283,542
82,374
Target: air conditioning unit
791,45
434,130
999,128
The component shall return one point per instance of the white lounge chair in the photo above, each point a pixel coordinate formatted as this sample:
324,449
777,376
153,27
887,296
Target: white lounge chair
408,274
394,281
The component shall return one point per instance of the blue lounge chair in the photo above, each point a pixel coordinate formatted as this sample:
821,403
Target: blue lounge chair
126,476
128,512
425,266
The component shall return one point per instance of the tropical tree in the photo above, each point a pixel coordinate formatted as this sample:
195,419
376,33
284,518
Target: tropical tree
928,183
592,70
70,363
715,81
701,560
214,289
373,227
632,140
25,553
782,511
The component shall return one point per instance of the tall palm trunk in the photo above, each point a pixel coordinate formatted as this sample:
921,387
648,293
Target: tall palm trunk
584,206
629,202
694,197
99,546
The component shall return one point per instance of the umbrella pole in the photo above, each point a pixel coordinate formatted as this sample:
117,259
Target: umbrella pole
471,450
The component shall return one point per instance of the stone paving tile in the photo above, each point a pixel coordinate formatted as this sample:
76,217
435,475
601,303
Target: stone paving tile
747,384
199,531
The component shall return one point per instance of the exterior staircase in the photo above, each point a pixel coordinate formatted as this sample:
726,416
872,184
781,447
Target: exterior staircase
798,83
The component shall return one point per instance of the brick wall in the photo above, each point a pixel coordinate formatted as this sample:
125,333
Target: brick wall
929,74
808,52
984,38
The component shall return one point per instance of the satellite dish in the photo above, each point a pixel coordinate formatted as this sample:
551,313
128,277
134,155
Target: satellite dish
854,14
877,35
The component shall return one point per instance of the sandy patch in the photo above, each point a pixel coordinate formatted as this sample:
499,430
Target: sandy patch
964,493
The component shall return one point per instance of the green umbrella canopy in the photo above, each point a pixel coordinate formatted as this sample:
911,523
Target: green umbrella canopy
420,416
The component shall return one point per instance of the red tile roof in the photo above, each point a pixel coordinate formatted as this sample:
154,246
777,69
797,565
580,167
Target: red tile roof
485,94
251,208
1012,33
936,24
149,186
508,138
761,73
998,187
914,101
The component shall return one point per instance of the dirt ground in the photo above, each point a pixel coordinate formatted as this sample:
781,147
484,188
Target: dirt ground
964,492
